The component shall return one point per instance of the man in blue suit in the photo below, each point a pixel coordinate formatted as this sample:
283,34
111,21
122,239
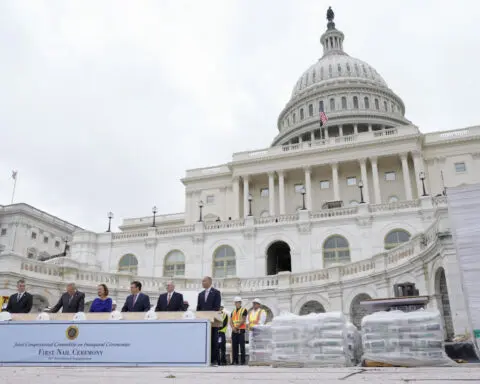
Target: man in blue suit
171,301
210,299
137,301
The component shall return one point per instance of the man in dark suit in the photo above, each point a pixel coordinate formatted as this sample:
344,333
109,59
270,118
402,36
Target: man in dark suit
210,299
137,301
21,302
171,301
72,301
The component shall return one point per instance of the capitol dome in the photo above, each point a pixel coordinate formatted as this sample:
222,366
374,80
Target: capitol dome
351,93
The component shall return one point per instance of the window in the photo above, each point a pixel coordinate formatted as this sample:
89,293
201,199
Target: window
390,176
320,106
294,118
396,237
314,75
344,102
57,244
460,167
393,108
335,250
174,264
264,192
357,71
310,110
377,104
332,104
385,106
330,70
210,199
366,102
321,73
348,68
31,253
224,263
302,115
355,102
298,188
45,239
339,67
351,181
324,184
67,248
34,235
393,199
128,263
3,232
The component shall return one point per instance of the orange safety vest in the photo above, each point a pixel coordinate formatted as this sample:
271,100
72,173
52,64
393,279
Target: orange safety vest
237,318
254,318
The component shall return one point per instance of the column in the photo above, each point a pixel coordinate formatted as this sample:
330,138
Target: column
308,188
245,196
418,167
271,193
281,191
312,136
340,130
355,129
376,182
370,128
336,189
325,130
236,197
363,173
406,176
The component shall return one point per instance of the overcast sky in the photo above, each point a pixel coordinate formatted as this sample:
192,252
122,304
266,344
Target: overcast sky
105,104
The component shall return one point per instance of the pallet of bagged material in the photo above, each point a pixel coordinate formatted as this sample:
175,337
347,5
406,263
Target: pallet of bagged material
287,364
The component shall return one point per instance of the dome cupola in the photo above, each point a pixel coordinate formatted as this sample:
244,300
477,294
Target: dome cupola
350,91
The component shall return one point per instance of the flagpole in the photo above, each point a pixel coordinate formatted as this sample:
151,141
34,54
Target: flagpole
14,187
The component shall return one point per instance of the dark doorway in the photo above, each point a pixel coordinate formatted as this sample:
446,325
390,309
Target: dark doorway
278,258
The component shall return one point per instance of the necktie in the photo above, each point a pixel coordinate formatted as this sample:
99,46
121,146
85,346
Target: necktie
206,294
134,299
169,297
19,297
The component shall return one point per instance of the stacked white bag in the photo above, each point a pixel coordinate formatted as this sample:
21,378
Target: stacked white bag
318,339
261,344
409,339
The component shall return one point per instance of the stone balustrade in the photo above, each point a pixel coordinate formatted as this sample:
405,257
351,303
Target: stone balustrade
380,263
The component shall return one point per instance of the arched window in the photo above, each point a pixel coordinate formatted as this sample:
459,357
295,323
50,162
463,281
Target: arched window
339,67
321,73
310,110
348,68
302,115
355,102
377,104
386,106
366,102
396,237
224,263
357,70
344,102
330,71
128,263
320,106
294,118
174,264
314,75
336,250
332,104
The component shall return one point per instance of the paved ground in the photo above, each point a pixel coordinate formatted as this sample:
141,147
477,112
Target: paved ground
463,374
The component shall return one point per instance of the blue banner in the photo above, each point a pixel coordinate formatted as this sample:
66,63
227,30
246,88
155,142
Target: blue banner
105,343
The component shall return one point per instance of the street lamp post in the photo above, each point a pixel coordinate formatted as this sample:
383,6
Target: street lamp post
110,217
200,207
250,198
303,192
360,185
422,177
65,240
154,211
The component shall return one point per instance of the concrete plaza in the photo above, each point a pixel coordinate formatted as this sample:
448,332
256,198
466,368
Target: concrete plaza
428,375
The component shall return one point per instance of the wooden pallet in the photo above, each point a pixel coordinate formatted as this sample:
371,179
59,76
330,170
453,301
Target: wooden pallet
287,364
259,364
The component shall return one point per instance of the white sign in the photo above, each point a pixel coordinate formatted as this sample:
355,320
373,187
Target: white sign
106,343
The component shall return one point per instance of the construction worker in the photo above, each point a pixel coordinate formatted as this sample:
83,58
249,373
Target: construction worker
222,338
238,320
257,316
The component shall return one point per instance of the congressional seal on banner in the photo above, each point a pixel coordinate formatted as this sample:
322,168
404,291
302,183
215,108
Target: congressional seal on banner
72,332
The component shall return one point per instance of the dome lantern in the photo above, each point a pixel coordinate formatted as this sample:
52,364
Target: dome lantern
332,39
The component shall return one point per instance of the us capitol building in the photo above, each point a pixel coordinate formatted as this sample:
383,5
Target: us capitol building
323,219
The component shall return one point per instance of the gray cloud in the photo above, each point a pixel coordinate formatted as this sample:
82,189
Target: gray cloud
103,105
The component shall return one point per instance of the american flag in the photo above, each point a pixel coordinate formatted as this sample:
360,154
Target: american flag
323,119
14,175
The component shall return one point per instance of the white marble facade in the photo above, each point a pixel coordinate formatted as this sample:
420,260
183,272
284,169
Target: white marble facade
261,224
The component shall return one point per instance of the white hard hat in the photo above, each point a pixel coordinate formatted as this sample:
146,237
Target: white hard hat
151,315
114,302
237,299
44,316
5,316
116,315
257,301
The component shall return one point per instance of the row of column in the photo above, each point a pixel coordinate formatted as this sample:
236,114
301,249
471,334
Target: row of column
340,132
418,167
